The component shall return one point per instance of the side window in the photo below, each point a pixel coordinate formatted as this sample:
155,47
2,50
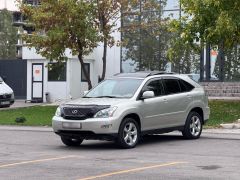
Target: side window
172,86
185,86
155,86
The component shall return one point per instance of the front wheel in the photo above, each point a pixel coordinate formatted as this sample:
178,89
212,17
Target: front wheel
193,126
129,133
71,141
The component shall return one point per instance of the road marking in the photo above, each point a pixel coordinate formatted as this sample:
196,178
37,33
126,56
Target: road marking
35,161
131,170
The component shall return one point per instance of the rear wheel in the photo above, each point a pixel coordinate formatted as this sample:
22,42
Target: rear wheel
129,133
193,126
71,141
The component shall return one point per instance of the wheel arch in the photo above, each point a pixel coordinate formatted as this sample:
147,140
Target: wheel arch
133,116
199,111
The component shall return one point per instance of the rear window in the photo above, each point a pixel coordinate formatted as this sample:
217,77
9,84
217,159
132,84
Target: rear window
185,86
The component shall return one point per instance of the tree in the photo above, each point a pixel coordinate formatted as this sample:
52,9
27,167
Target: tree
108,15
145,35
61,25
214,22
8,35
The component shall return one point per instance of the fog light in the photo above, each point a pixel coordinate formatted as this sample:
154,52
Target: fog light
106,126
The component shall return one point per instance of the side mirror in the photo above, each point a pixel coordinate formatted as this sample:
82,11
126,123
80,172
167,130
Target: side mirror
147,95
85,92
4,78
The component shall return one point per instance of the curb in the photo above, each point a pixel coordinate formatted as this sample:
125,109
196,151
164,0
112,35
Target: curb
26,128
49,129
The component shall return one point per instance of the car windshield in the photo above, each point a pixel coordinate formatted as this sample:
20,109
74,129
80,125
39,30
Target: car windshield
115,88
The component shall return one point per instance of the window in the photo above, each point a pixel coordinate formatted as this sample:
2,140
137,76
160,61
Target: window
86,66
155,86
57,71
185,86
119,88
172,86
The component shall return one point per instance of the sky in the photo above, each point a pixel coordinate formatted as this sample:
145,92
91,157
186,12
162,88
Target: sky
9,4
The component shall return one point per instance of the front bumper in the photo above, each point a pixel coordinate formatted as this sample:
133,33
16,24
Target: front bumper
88,128
6,102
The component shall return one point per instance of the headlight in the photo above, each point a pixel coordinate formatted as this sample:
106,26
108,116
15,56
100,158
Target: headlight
12,96
58,112
105,113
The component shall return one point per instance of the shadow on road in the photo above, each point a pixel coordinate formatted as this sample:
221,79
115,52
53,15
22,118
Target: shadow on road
110,145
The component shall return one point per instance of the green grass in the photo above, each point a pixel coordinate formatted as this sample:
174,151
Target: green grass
221,112
35,116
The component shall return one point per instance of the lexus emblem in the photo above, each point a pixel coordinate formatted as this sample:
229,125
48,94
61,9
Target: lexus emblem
75,111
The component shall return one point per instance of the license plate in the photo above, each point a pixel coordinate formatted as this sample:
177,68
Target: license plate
72,125
5,103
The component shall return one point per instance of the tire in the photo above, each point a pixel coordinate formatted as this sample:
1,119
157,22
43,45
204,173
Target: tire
71,142
193,126
128,134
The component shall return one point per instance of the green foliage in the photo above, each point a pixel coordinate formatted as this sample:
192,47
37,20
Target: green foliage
8,35
223,112
145,35
61,25
209,21
34,116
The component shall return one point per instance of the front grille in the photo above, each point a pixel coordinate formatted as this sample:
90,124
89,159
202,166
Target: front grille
81,112
5,96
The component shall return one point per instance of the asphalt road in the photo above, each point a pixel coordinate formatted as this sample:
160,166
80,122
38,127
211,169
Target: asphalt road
30,155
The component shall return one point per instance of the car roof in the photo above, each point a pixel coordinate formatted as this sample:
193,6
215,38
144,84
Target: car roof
142,74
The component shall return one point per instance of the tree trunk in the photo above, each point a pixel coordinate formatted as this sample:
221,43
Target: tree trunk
80,58
104,59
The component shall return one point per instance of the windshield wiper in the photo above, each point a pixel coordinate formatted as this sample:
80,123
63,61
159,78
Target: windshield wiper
106,97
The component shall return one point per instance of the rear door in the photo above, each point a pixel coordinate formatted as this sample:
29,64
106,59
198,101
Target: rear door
178,99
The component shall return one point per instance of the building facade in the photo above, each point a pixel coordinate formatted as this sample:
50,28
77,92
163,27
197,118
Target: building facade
51,81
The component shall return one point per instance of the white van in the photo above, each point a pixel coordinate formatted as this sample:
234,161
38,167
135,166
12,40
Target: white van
6,94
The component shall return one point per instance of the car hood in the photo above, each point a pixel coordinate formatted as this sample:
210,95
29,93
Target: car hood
97,101
5,89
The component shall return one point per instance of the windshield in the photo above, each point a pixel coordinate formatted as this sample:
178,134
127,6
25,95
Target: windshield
115,88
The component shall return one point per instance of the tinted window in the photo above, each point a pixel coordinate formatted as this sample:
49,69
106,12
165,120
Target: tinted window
57,71
155,86
185,86
172,86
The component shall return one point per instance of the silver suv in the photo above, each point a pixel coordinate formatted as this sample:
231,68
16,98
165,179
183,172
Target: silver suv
127,106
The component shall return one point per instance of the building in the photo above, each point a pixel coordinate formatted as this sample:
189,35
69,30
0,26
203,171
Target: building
51,81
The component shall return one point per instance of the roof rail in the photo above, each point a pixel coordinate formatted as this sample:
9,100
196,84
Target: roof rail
142,74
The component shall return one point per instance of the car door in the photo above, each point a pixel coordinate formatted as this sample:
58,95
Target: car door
177,101
153,110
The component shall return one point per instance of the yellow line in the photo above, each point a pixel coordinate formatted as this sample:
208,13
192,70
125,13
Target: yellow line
131,170
35,161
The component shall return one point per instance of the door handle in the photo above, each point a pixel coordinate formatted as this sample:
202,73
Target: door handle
165,100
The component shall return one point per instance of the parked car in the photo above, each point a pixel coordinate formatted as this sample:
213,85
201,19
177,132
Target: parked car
127,106
6,94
